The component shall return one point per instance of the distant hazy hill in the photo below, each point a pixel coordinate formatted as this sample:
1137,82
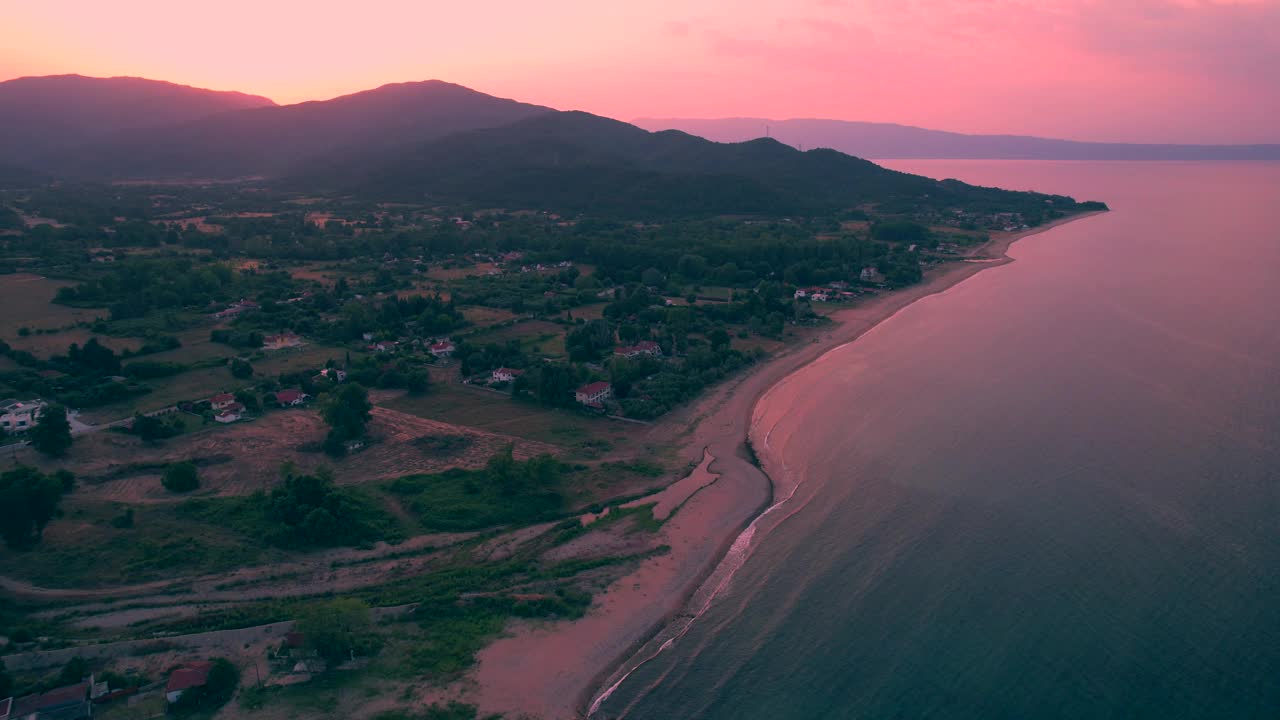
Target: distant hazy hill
272,140
578,161
43,115
884,140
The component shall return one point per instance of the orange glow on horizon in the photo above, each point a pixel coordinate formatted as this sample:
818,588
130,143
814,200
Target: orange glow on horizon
1139,70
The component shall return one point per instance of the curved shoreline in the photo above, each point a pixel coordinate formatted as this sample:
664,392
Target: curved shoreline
636,619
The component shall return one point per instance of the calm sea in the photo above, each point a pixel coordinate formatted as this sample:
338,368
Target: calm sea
1050,492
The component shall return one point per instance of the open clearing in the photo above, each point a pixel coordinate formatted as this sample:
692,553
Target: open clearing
26,300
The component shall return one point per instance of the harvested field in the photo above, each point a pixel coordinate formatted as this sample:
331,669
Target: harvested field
486,316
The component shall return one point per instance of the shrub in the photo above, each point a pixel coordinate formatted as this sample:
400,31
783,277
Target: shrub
181,477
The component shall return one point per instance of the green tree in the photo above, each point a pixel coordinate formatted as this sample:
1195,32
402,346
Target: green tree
181,477
217,690
73,672
28,501
52,433
417,382
241,368
337,629
348,411
6,681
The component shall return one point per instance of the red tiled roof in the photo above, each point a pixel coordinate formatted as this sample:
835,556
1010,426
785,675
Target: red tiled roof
58,696
288,396
222,397
593,388
193,675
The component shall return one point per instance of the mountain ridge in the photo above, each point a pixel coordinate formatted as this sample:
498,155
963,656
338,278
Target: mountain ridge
897,141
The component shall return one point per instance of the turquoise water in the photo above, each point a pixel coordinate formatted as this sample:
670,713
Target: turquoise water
1050,492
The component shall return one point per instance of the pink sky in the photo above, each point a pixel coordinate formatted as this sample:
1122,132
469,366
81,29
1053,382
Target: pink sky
1126,70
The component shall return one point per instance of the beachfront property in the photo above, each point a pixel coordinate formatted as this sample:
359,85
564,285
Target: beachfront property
870,275
644,348
19,415
593,394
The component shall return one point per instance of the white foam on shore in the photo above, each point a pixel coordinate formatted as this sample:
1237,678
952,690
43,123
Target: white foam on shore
715,584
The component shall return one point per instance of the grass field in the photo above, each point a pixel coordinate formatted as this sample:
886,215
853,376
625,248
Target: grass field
485,316
45,346
589,312
26,300
445,274
548,337
462,405
84,549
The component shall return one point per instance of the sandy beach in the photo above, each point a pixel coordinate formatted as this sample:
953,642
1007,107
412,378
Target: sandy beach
554,671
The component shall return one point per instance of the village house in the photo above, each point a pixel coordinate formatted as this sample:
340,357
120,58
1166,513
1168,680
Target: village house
503,374
281,341
19,415
593,394
291,398
236,308
70,702
384,346
191,675
641,349
871,275
334,374
443,349
221,401
230,413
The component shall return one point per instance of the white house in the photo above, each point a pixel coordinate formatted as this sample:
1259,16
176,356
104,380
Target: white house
503,374
443,349
870,274
594,393
19,415
230,413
